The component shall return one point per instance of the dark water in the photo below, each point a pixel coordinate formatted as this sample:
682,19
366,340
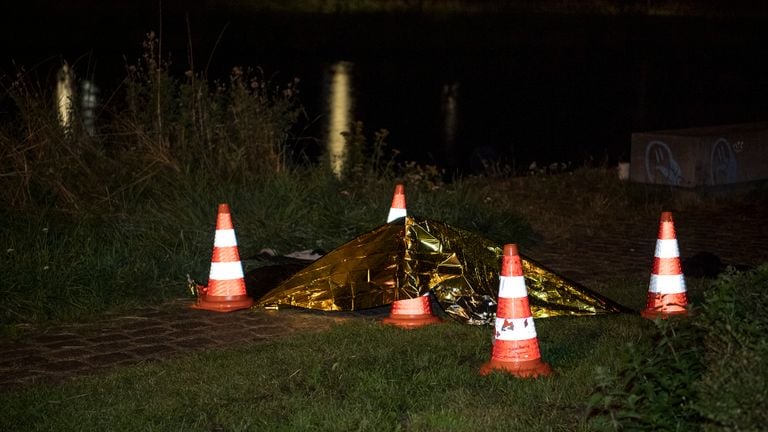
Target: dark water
455,90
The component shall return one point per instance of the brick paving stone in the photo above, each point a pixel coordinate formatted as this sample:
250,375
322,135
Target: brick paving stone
22,353
149,340
188,324
53,339
62,366
149,350
195,343
109,337
69,353
109,359
25,362
138,325
184,334
149,331
232,337
111,346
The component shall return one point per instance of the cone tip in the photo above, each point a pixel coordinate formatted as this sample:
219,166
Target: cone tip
398,199
224,208
666,216
510,261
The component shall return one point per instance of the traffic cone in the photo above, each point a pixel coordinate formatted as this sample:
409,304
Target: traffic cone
226,284
666,292
397,210
515,344
411,313
415,312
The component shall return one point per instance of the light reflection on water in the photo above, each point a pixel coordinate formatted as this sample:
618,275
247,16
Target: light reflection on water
64,97
449,113
340,105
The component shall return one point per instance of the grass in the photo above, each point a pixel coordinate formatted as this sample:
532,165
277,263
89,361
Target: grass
357,376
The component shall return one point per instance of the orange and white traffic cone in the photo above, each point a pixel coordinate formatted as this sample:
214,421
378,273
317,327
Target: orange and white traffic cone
226,284
666,293
515,344
415,312
397,210
411,313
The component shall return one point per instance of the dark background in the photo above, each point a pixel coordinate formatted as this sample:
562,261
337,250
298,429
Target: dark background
547,83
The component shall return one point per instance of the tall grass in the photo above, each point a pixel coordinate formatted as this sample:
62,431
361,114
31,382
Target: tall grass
157,131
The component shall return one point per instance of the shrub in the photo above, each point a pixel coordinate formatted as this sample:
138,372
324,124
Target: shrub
707,371
733,390
653,390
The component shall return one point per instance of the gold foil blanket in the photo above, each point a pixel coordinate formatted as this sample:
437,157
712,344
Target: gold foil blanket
413,256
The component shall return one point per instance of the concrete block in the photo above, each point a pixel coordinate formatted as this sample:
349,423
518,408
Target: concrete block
717,155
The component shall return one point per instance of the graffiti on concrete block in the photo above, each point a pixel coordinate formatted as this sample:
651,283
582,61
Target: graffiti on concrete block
723,167
660,164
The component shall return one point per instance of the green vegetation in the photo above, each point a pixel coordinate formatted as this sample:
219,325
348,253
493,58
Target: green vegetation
92,223
707,372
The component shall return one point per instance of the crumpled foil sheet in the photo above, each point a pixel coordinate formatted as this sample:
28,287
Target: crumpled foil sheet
414,256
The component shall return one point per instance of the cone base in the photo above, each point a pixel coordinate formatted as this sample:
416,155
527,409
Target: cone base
656,313
665,305
222,303
522,369
411,321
